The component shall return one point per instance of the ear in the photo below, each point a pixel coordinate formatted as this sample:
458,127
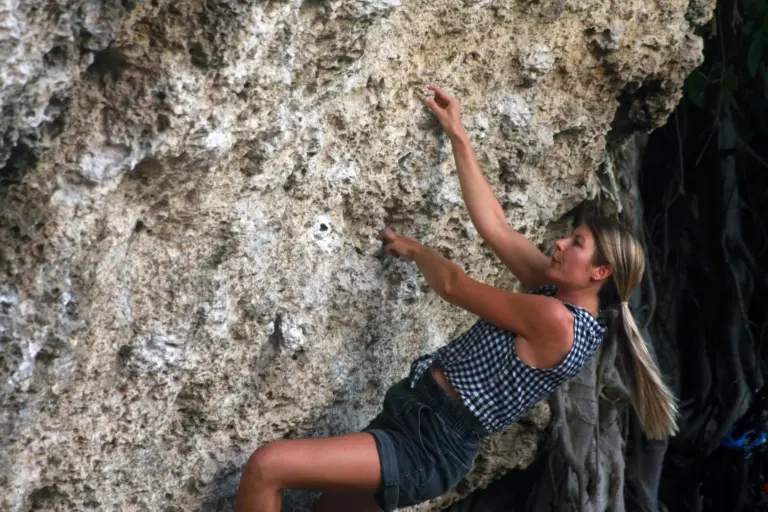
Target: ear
601,272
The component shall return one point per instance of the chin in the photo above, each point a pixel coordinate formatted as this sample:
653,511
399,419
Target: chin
550,275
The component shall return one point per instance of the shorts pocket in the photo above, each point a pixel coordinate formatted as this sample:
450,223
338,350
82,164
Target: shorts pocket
401,405
459,449
397,399
441,464
420,476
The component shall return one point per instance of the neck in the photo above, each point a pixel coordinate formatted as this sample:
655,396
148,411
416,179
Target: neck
586,298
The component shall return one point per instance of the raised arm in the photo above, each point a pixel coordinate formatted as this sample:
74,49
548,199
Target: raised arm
522,257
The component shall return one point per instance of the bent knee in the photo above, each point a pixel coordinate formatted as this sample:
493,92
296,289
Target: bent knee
263,466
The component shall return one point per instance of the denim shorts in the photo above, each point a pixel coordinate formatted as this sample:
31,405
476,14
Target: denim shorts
426,440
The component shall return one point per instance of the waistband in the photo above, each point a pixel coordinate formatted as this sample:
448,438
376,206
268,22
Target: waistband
455,416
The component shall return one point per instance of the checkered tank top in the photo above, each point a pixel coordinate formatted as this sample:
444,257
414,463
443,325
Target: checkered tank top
493,382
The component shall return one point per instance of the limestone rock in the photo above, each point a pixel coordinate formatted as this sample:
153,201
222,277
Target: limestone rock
45,48
192,193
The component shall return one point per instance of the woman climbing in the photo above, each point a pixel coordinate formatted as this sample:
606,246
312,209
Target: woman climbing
520,350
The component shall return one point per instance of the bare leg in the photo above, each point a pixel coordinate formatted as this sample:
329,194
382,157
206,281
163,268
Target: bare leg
346,502
337,464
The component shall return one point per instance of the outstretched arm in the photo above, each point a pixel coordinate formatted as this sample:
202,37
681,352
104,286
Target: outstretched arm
535,317
522,257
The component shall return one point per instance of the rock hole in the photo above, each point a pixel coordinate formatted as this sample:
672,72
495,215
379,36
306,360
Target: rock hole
276,339
46,355
633,112
198,56
191,486
323,227
163,123
56,56
290,182
145,170
45,497
111,61
71,308
21,160
124,353
139,227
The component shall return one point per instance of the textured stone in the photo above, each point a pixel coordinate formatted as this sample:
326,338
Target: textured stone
44,47
189,257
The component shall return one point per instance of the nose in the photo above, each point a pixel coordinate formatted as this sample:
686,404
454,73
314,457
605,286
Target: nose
561,244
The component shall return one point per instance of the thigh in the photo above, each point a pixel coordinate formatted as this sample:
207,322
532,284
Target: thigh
344,463
346,502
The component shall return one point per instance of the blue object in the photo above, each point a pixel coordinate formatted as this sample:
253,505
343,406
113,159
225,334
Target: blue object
742,443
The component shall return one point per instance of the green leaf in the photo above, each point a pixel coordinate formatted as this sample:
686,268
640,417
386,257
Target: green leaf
695,206
755,54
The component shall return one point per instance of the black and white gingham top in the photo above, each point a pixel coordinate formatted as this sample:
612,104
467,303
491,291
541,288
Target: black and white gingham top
493,382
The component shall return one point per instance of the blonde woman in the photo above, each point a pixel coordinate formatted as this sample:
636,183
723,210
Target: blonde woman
521,349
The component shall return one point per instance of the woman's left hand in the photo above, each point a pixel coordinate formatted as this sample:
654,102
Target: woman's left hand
398,245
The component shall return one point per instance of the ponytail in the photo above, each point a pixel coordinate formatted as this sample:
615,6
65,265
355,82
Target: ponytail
654,404
652,400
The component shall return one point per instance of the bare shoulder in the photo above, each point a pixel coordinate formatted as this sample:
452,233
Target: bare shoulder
556,322
548,346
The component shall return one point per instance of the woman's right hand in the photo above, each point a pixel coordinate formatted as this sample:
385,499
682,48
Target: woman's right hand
398,245
447,110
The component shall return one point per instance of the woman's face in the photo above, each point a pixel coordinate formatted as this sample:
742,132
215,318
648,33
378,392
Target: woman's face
572,261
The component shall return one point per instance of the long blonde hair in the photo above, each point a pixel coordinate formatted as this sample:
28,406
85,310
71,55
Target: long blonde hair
656,407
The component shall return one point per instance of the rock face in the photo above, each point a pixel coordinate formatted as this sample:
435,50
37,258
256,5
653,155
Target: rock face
191,193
